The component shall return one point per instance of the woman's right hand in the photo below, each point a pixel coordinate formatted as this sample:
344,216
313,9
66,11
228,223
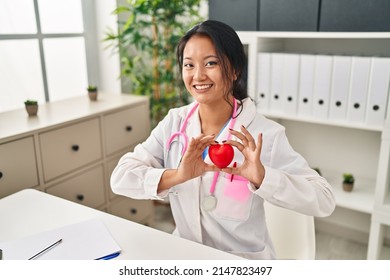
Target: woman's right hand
191,165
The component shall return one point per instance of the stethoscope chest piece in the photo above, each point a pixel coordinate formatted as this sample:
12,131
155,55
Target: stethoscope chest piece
209,203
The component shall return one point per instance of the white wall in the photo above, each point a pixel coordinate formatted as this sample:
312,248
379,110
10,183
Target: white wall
109,70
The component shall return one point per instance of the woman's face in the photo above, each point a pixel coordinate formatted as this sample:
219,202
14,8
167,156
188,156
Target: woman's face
202,72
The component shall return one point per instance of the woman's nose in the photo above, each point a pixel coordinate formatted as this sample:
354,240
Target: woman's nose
199,74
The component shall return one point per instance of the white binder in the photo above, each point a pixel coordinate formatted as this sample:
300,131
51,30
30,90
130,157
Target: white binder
276,82
306,84
290,83
340,87
322,82
263,81
378,91
358,90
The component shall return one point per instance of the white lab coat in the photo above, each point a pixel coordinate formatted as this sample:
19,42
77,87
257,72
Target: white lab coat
237,225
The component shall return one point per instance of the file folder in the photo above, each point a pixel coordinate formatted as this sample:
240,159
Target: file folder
322,85
340,87
358,91
306,84
263,81
276,82
378,91
290,83
87,240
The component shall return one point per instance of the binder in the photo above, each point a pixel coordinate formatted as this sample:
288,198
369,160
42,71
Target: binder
322,83
276,82
263,81
339,87
358,91
87,240
378,90
306,84
290,83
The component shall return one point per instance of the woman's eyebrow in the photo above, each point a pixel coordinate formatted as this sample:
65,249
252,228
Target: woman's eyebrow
206,57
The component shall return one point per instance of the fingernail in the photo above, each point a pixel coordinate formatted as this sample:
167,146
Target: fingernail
243,126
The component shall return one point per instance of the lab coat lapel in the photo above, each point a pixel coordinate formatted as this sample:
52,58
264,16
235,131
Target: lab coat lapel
247,115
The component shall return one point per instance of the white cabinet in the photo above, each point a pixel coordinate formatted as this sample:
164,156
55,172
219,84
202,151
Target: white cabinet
72,146
70,149
86,188
125,128
334,145
18,167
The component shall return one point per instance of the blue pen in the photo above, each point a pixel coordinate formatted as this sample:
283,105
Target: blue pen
109,257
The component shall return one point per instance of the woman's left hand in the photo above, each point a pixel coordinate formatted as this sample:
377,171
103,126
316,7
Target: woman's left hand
252,168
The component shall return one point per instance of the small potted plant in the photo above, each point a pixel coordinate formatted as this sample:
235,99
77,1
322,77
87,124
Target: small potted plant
92,92
348,181
31,107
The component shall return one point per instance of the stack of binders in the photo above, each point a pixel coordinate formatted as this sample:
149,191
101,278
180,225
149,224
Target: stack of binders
352,89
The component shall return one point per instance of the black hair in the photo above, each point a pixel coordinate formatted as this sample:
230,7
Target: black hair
229,49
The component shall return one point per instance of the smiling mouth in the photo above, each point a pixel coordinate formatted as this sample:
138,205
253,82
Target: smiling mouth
202,87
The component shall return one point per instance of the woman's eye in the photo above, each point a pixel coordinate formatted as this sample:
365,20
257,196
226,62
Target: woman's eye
211,63
187,65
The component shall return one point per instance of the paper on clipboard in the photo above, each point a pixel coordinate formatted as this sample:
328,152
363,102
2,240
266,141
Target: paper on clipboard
88,240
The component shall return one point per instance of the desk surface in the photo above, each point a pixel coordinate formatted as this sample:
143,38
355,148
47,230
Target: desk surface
30,211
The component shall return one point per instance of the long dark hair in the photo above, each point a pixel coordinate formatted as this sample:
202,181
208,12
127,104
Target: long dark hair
229,50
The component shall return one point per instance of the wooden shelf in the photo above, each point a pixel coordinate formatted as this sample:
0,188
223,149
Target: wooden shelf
361,198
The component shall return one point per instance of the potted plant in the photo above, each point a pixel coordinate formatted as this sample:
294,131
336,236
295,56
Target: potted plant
348,181
92,92
31,107
146,39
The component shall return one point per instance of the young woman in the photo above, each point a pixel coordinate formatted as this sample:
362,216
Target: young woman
221,207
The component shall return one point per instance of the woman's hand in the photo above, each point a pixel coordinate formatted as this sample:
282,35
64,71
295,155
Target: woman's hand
252,168
192,164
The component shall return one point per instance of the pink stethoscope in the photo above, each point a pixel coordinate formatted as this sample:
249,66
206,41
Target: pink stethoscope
210,202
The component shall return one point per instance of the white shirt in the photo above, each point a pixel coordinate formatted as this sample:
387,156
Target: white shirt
237,225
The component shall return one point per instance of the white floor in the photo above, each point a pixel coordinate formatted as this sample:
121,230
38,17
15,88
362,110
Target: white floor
328,247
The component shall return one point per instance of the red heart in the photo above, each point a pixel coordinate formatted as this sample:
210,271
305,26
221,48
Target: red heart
221,154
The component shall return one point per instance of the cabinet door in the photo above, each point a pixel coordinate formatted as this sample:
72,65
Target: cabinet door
18,169
70,147
86,188
239,14
288,15
126,128
355,15
140,211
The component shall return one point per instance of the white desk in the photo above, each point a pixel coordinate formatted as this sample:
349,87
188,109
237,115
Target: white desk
30,211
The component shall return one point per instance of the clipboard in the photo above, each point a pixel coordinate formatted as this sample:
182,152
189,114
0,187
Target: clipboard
87,240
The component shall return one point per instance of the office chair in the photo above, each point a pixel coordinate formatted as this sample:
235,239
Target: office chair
292,233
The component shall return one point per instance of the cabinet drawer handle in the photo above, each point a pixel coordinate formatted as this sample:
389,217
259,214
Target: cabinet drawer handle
129,128
75,147
133,211
80,197
1,174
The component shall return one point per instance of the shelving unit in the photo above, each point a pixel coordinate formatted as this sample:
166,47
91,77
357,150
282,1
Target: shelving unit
338,146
